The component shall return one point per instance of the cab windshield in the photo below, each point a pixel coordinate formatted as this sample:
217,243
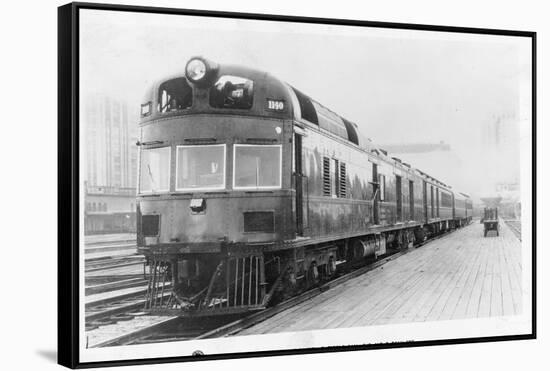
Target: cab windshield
154,170
200,167
257,166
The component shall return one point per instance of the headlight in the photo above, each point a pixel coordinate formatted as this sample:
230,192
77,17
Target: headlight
195,69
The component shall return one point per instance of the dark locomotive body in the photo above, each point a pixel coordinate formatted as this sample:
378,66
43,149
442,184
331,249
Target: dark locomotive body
250,191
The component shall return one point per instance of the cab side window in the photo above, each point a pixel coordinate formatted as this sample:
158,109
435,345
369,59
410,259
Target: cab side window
174,95
232,92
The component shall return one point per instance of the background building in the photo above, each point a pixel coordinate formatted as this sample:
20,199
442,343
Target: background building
111,164
510,206
111,134
109,210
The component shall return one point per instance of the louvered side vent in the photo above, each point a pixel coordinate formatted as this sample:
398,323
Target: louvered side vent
326,176
343,185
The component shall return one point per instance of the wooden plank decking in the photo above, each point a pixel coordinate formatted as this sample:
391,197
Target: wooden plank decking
462,275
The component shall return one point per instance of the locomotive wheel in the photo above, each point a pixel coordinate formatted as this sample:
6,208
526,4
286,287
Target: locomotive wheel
410,238
288,287
419,235
313,274
331,267
358,250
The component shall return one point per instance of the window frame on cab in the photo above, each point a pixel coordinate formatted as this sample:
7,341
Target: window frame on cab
139,184
187,190
252,188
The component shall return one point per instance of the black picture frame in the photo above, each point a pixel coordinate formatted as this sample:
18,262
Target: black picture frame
69,191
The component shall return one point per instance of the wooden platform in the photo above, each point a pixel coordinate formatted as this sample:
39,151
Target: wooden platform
461,275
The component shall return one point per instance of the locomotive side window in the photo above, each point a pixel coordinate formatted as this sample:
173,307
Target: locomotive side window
145,109
200,167
446,200
174,95
399,197
432,200
352,132
382,181
154,170
437,202
232,92
411,199
306,107
257,166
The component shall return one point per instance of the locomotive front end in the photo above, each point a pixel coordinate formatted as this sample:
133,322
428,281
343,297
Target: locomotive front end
214,188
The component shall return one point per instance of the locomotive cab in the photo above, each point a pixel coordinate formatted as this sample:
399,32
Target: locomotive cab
215,183
207,147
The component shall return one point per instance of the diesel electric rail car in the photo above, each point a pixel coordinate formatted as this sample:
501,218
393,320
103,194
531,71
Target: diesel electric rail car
250,191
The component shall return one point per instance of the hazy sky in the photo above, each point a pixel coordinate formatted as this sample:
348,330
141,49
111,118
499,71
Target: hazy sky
399,86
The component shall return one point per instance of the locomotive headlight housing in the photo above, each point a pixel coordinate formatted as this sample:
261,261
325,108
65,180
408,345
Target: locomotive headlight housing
199,70
195,69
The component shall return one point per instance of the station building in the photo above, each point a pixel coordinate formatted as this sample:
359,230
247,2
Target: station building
109,210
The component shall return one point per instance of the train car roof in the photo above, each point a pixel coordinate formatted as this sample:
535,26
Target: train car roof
301,107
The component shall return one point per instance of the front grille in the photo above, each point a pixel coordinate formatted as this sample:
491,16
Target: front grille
259,221
150,225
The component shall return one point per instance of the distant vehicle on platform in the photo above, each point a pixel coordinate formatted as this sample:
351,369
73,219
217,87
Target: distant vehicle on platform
250,191
490,220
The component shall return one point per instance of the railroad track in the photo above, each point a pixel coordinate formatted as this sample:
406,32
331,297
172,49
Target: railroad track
113,309
148,329
118,284
174,328
110,247
111,278
515,226
110,242
98,264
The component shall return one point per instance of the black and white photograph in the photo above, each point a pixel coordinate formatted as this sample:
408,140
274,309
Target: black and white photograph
250,185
